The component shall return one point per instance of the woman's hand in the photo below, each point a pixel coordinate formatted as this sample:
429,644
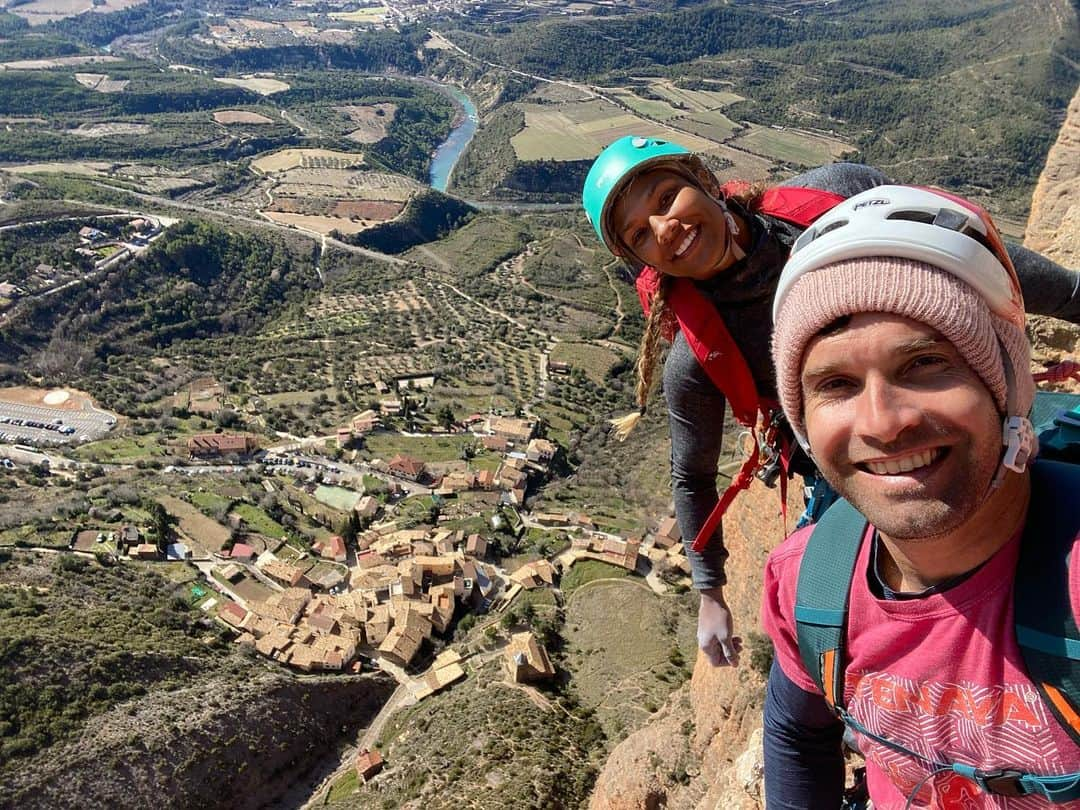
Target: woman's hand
714,629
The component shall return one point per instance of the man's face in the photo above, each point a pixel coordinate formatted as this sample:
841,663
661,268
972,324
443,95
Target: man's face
671,224
900,425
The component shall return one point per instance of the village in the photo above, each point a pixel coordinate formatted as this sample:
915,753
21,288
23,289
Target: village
389,596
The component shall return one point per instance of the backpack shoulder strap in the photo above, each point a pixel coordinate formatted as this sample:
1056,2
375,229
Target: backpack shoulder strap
821,599
1046,627
797,205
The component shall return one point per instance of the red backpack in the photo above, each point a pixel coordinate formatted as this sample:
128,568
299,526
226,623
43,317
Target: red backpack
720,357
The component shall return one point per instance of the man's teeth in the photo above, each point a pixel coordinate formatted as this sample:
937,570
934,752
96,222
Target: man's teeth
902,465
689,240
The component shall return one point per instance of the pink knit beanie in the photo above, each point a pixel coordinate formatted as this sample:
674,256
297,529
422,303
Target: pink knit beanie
903,287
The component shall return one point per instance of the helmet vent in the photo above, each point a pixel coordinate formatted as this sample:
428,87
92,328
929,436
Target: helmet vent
924,217
832,226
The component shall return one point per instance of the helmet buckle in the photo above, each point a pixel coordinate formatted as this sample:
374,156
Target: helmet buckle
1018,436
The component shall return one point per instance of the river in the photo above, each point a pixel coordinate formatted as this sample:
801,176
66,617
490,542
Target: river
442,164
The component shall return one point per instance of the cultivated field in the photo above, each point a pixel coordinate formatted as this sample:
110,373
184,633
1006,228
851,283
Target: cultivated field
371,121
711,124
370,15
317,224
59,61
793,146
240,117
101,83
578,130
286,159
256,84
109,129
39,12
594,360
210,535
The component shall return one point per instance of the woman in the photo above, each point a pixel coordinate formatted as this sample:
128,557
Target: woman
660,209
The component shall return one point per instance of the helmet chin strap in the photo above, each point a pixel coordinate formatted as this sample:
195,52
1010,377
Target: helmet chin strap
1017,432
732,247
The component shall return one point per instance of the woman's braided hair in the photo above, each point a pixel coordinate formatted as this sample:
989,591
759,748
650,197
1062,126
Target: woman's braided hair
661,319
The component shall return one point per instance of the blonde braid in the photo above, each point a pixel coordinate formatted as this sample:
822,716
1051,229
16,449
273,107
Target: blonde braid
647,359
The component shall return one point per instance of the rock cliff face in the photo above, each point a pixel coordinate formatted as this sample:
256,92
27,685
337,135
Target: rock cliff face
703,749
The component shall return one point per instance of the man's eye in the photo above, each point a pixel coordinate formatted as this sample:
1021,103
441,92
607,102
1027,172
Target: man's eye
833,386
929,361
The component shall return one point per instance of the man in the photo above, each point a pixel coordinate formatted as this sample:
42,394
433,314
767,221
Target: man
903,368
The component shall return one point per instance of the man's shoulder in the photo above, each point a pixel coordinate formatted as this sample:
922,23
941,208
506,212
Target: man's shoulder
785,558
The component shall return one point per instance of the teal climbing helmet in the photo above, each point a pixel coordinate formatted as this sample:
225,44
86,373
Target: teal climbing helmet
616,166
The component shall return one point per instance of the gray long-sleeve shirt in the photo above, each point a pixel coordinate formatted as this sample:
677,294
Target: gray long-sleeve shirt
743,298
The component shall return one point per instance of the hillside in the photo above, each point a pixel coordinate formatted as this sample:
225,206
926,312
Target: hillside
109,671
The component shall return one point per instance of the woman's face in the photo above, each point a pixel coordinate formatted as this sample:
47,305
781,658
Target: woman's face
672,225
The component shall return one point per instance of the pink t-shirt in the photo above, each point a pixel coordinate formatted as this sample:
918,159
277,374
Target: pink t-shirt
942,675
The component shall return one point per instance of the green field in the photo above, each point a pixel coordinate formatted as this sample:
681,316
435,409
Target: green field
258,521
594,360
650,108
425,448
696,100
793,147
710,124
337,497
121,450
625,650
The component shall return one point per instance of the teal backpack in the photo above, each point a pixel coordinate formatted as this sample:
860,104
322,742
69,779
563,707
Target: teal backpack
1046,628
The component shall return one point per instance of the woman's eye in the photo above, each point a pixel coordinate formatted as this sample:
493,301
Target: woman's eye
637,237
666,199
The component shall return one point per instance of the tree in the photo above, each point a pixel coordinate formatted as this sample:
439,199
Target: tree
445,417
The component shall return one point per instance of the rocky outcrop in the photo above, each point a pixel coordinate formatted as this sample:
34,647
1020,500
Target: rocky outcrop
703,749
1054,229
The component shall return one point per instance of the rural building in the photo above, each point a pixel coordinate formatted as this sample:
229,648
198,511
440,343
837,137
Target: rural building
485,480
518,431
9,290
540,450
231,572
242,552
476,546
407,467
177,551
535,574
367,506
218,444
146,551
496,444
368,764
526,659
365,422
668,533
288,575
233,615
390,407
331,549
92,236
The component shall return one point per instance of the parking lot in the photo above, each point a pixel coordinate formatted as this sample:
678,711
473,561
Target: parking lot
41,425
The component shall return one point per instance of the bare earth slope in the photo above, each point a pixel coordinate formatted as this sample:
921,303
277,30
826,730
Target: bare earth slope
714,723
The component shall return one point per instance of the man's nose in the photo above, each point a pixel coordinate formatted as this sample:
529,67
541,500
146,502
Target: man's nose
884,411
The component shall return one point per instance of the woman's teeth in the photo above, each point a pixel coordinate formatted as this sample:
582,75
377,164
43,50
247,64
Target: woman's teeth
689,240
902,465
